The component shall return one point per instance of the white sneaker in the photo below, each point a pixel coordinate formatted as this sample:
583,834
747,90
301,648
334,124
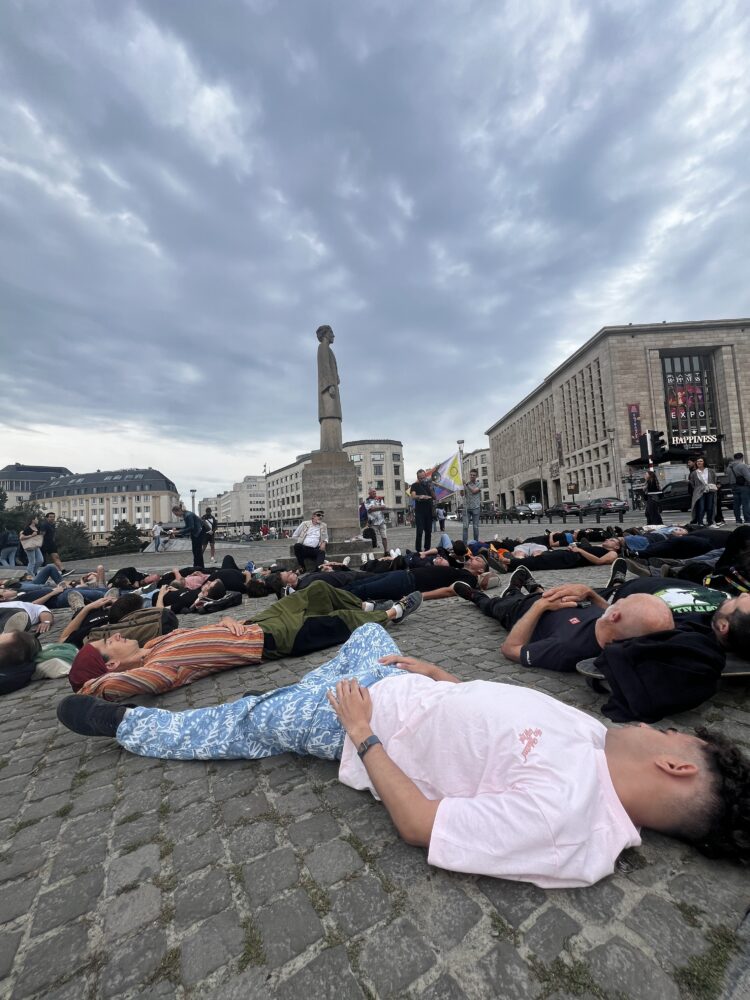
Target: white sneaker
363,558
392,553
346,560
397,551
371,557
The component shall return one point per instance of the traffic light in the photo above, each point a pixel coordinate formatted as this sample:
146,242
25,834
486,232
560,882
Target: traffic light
659,449
643,442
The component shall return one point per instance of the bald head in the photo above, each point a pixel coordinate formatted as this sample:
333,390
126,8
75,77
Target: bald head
639,614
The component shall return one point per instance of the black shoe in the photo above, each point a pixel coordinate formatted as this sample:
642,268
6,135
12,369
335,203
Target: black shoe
618,575
637,567
252,694
462,589
496,563
521,579
90,716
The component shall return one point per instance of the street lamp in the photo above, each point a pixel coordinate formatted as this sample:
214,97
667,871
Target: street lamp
192,500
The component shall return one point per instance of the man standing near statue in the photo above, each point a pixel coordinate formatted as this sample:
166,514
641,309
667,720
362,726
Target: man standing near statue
375,507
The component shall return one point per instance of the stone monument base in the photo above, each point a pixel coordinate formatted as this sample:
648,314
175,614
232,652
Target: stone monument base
329,482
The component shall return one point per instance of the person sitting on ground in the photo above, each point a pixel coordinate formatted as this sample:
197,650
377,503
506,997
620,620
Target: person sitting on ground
310,540
493,779
116,667
554,629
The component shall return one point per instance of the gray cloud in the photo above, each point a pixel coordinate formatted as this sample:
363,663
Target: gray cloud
463,191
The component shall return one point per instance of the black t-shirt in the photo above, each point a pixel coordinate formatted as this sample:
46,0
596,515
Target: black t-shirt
47,530
429,578
422,488
341,578
562,638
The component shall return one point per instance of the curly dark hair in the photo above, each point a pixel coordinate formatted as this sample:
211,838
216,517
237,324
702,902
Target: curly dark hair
726,818
256,588
21,648
124,606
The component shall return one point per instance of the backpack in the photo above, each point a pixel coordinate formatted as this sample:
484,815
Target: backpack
230,600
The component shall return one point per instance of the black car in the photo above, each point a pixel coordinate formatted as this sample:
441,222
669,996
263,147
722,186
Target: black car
676,496
521,512
564,507
604,505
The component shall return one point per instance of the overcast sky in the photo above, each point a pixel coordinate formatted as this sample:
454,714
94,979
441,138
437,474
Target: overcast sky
465,191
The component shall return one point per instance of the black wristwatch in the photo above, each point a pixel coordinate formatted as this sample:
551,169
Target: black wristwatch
365,745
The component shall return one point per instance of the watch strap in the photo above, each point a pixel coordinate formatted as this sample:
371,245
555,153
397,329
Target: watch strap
365,745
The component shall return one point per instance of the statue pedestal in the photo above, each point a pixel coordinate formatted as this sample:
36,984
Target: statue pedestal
329,482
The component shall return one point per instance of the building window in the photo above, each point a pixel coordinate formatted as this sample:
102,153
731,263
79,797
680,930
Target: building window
396,470
377,456
398,501
378,484
356,458
377,470
397,484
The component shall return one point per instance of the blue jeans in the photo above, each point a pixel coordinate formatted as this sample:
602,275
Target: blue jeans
36,560
382,586
704,507
30,594
741,503
46,573
8,555
473,517
295,719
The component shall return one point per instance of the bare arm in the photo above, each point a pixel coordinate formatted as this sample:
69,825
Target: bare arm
413,814
415,666
77,620
436,595
608,557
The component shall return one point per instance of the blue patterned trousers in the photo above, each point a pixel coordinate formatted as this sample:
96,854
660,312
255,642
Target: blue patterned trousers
296,719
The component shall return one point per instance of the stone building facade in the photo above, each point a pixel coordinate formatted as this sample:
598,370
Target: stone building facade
19,481
580,426
101,499
245,504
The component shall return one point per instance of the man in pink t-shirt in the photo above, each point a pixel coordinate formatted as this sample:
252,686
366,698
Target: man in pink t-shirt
493,779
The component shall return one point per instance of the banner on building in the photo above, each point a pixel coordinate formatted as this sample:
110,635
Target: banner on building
446,477
634,421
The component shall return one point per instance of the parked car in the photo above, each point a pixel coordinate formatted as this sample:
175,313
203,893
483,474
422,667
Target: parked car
536,507
604,505
521,512
564,507
676,496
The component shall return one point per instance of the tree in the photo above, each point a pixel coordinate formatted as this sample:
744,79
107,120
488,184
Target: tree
3,499
18,517
73,541
124,538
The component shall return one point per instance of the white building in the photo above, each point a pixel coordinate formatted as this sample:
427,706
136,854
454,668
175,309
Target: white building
240,507
481,460
102,499
379,463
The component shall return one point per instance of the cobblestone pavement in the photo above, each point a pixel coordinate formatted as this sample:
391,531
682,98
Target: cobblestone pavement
129,877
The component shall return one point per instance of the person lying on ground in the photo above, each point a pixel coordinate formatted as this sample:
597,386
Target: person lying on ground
17,652
433,582
41,619
493,779
181,600
575,556
102,612
321,616
555,629
58,597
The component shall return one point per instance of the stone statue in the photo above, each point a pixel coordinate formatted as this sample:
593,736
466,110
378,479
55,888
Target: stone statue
329,401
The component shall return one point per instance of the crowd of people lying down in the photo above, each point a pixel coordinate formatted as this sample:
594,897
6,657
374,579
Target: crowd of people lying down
492,778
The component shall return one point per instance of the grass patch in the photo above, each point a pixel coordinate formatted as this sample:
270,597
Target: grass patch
690,913
64,811
362,850
167,915
321,901
502,929
24,824
164,810
130,818
333,938
80,777
169,967
166,882
574,979
253,953
134,846
703,976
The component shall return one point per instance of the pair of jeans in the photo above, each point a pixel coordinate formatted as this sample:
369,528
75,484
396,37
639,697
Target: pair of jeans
295,719
8,555
35,560
471,517
704,507
30,593
741,503
46,573
384,586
